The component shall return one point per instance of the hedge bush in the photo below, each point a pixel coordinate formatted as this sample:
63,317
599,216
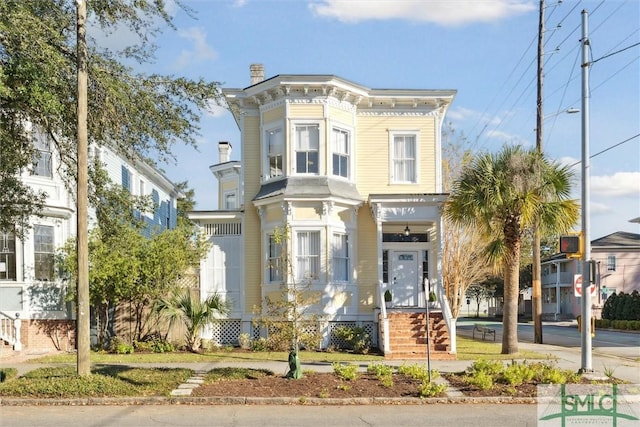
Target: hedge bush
622,306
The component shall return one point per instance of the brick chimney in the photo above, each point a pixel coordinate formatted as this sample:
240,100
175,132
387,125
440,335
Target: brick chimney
257,73
224,148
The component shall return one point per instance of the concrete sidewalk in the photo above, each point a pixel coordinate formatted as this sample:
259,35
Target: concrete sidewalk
564,357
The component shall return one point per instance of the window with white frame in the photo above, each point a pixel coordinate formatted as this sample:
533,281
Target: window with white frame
141,188
42,156
341,258
307,137
611,263
403,158
275,152
308,255
43,249
275,259
230,200
7,256
341,152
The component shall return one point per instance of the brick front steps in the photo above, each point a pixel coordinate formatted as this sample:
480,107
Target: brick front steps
407,335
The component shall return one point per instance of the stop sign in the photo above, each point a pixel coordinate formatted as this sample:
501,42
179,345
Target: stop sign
577,286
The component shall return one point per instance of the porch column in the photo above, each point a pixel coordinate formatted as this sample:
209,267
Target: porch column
557,290
376,212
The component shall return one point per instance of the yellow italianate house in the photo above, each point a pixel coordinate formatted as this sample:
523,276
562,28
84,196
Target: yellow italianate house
354,176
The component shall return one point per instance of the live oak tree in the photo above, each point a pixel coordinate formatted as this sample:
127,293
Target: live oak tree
138,115
502,195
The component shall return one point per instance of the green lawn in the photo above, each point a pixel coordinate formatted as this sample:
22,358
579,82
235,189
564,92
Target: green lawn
468,349
111,377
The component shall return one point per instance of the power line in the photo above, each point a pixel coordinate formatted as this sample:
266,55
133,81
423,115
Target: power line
615,53
611,147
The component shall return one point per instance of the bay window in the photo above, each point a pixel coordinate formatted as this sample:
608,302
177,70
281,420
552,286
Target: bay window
7,256
341,264
308,255
307,146
43,250
275,152
341,152
42,155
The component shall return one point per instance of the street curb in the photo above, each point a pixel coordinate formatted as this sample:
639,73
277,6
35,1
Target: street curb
302,401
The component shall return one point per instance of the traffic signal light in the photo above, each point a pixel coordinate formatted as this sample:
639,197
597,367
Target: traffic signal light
571,245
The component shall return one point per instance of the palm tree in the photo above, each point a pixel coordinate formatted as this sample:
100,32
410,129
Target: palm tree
503,195
195,314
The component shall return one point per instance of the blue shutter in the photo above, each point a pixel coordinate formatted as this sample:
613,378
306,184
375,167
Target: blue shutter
174,214
156,207
125,178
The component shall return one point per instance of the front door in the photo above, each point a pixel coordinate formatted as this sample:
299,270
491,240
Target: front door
404,288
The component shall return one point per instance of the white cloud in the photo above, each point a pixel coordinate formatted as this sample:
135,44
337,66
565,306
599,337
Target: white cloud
215,110
239,3
505,137
441,12
620,184
199,50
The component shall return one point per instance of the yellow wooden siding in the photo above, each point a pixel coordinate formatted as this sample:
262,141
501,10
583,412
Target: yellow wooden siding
226,186
341,299
367,268
373,154
252,233
273,115
306,111
341,214
306,213
339,116
274,214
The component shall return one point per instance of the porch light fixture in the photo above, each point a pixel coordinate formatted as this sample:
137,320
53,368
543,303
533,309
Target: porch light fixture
407,231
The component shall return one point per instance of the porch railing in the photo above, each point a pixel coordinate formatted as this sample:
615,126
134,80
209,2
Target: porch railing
442,303
448,317
10,330
386,346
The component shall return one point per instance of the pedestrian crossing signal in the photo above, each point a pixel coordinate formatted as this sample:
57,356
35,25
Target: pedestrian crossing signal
571,245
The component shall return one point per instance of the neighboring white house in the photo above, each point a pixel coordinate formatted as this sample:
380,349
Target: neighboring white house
30,290
617,258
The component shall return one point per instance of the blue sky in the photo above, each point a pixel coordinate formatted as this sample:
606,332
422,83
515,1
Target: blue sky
484,49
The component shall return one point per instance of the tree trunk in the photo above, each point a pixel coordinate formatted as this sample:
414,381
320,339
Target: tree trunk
510,309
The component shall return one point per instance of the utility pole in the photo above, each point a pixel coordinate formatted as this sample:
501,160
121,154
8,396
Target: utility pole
82,320
585,341
536,272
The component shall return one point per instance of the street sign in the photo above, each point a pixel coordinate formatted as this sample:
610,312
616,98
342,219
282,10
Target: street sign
577,286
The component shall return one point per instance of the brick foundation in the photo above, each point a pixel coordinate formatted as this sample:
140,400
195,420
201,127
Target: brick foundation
44,335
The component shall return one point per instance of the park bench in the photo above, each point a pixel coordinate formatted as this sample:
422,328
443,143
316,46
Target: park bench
484,329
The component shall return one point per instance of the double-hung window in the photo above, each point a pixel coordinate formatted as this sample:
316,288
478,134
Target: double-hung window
43,250
403,158
7,256
42,155
611,263
275,152
341,147
307,137
230,200
308,255
275,259
341,257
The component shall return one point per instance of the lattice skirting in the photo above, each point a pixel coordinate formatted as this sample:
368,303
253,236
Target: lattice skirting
370,328
227,331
